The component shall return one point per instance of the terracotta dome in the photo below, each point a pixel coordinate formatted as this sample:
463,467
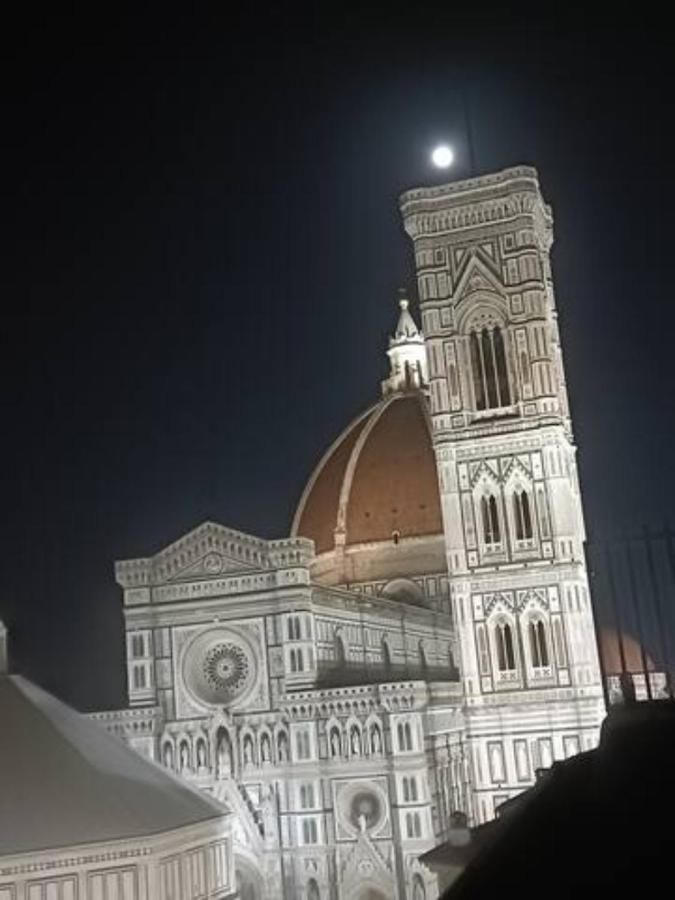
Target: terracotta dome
372,506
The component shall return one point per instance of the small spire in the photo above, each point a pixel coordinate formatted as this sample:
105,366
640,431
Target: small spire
406,327
407,353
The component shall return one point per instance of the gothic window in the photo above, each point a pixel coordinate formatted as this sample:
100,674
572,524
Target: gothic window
139,677
413,825
386,655
490,517
488,367
409,789
418,889
522,515
404,733
506,658
294,628
423,660
313,892
303,745
307,796
340,654
538,644
137,645
310,834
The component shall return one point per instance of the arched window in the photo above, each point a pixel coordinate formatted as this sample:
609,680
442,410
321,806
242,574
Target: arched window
406,790
307,796
294,662
404,733
340,654
313,892
294,628
413,825
423,660
386,655
522,515
418,889
139,677
538,644
506,659
490,517
303,745
488,367
309,831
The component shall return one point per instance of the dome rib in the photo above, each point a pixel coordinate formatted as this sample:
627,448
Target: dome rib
322,491
377,479
348,479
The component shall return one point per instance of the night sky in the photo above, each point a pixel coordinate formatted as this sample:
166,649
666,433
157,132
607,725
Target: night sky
202,255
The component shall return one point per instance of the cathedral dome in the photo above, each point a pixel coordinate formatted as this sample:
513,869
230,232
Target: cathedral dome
372,505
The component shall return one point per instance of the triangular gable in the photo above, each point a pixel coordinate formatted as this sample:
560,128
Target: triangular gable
365,865
478,274
209,550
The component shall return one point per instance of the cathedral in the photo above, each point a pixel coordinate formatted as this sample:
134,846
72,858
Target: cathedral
423,640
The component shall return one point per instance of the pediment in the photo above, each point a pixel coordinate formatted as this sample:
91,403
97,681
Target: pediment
210,565
478,275
208,551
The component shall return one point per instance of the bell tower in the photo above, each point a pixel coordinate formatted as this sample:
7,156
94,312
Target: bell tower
512,511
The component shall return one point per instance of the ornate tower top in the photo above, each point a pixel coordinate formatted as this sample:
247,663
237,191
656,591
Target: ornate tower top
407,354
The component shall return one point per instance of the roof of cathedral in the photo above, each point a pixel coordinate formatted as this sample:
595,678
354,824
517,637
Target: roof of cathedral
64,781
378,479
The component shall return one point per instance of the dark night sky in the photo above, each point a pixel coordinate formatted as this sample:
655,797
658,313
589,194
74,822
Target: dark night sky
202,252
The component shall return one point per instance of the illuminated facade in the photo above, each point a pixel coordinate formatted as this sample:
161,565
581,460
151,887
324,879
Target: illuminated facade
423,641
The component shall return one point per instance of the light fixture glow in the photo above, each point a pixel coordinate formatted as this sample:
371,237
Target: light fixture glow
442,156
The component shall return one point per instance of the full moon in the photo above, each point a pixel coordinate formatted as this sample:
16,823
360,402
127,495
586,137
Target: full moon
442,156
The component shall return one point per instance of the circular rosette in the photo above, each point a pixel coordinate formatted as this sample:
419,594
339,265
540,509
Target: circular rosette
362,806
219,667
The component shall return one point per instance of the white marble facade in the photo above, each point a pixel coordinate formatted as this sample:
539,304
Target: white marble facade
333,719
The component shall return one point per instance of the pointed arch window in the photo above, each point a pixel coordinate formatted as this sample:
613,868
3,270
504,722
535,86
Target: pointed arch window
522,515
404,733
386,655
506,657
488,368
490,517
538,644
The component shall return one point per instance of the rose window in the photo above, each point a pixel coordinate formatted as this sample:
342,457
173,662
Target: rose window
220,667
226,667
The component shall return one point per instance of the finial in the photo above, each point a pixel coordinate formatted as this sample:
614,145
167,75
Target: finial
402,299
